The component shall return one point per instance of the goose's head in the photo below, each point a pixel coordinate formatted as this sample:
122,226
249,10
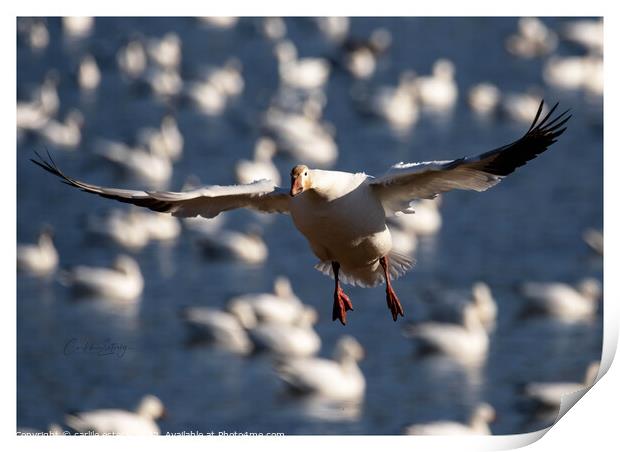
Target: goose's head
151,407
301,179
590,288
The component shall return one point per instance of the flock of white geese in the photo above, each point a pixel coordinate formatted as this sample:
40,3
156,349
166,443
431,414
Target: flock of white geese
279,323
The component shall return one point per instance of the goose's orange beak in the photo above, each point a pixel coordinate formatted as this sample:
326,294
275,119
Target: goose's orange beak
296,185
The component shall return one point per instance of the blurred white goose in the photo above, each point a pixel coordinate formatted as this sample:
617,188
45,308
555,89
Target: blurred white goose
549,395
273,28
158,226
164,82
131,59
89,75
304,73
34,114
563,301
281,306
343,215
123,282
121,422
587,33
39,259
360,56
438,91
151,168
594,239
291,340
337,379
335,28
219,328
425,221
301,136
533,39
220,22
228,78
574,73
478,424
166,140
245,247
483,301
519,107
122,227
397,105
484,98
66,135
466,343
37,35
165,52
262,167
77,26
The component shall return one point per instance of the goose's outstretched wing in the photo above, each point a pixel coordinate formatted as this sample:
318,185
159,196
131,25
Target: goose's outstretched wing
405,182
206,201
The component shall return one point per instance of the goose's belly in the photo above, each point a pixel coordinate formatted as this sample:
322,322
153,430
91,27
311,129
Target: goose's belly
338,231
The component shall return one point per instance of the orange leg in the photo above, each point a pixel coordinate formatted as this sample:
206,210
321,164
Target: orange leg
392,300
342,303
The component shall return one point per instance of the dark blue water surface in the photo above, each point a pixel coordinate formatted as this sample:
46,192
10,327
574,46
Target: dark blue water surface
527,228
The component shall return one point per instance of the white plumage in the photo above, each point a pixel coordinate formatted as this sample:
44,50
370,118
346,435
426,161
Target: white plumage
338,379
120,422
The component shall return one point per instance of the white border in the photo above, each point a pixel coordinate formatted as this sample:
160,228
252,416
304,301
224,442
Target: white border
590,421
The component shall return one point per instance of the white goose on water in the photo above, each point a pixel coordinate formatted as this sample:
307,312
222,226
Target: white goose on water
337,379
65,135
281,306
262,167
478,424
123,282
38,259
343,215
466,343
563,301
219,328
298,339
121,422
549,395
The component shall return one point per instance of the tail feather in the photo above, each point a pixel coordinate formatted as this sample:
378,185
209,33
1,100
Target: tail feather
367,277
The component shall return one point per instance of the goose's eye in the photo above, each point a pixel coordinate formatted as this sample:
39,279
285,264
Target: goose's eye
306,173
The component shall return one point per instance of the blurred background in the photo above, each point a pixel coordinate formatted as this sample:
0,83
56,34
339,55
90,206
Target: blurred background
165,103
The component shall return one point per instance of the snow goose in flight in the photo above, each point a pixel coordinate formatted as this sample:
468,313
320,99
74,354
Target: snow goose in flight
477,425
563,301
40,259
337,379
121,422
343,215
